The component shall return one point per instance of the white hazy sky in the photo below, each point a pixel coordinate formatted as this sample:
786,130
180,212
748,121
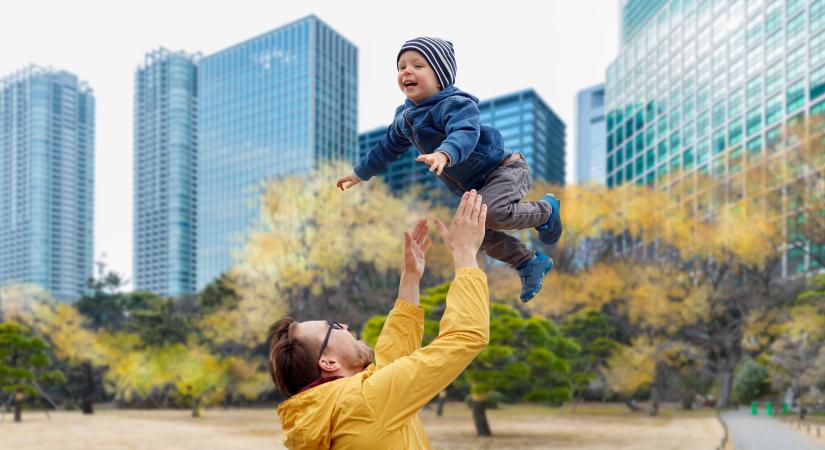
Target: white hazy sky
558,47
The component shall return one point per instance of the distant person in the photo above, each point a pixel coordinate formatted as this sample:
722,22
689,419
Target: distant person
339,399
442,122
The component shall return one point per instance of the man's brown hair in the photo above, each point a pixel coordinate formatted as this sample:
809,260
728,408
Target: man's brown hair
293,362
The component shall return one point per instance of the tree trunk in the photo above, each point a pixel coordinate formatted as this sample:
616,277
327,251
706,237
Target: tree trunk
656,391
87,406
725,379
196,408
18,406
442,399
631,404
480,418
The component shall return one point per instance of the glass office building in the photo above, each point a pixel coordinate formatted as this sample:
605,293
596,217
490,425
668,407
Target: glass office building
47,126
527,125
703,86
274,105
590,136
165,173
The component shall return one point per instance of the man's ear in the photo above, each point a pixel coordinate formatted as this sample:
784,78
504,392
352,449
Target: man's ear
328,365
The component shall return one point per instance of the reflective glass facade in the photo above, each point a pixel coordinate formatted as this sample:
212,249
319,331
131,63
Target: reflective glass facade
706,85
590,136
527,125
47,124
165,173
274,105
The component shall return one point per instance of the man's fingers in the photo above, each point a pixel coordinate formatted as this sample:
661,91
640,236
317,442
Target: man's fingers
420,231
441,228
472,199
463,204
416,233
426,244
482,216
477,207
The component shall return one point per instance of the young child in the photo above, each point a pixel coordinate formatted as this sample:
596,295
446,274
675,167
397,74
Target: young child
442,123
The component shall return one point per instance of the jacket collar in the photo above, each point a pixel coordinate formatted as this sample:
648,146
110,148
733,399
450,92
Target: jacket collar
319,382
442,94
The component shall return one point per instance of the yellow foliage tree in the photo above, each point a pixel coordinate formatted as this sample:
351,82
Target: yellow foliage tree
319,251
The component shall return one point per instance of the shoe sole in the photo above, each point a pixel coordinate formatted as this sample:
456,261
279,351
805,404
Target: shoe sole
541,283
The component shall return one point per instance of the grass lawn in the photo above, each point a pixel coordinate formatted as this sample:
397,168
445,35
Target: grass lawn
591,426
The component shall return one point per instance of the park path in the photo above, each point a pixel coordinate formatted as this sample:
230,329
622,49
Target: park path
762,432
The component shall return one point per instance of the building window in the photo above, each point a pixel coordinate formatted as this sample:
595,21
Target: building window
795,96
817,82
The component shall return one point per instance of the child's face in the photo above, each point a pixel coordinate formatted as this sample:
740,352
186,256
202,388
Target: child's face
416,78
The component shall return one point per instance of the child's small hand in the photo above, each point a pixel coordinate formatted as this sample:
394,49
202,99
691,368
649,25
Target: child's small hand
347,182
436,161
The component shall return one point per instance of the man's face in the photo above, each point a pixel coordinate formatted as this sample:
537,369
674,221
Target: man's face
343,346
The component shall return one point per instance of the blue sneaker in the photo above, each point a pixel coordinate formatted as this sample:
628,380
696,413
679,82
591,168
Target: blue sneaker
550,232
532,275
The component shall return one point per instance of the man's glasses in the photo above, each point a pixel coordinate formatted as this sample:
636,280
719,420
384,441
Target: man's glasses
332,326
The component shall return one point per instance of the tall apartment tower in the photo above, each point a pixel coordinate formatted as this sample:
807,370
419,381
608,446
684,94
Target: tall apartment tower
165,173
47,126
704,86
274,105
591,160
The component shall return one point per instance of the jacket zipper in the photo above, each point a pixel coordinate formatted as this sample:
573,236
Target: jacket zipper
415,141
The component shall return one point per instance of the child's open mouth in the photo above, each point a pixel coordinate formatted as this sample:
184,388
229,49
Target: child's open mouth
410,84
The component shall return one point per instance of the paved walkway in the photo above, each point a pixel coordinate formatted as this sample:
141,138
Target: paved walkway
761,432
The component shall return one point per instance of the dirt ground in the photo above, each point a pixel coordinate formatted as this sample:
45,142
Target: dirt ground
514,427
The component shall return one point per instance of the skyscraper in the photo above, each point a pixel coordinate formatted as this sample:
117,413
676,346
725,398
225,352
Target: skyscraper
527,125
165,166
47,125
273,105
704,87
590,136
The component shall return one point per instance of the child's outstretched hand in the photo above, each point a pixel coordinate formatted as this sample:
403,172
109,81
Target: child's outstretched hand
436,161
347,182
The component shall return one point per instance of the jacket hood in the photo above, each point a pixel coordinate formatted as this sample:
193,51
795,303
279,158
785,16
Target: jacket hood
306,418
444,93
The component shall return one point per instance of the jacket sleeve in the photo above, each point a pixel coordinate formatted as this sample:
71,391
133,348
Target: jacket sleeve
397,391
401,334
389,148
462,128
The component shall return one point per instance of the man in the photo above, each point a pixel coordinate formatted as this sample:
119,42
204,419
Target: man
339,399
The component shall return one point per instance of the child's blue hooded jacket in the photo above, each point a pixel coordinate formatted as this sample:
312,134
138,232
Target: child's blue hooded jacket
447,121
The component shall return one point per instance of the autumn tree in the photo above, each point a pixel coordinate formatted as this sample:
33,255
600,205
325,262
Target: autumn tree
320,252
78,347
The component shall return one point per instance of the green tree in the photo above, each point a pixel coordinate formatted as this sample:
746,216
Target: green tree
525,360
751,381
595,334
23,365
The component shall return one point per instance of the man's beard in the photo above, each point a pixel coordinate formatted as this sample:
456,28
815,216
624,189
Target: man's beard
364,356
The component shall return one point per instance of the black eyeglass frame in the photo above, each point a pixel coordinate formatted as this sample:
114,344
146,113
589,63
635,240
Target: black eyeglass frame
332,325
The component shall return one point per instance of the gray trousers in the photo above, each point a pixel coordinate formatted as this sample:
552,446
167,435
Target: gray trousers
502,193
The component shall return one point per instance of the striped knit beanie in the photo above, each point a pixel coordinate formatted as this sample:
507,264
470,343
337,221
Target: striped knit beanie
438,53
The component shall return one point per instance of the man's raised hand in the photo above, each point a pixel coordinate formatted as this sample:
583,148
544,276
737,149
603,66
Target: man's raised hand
466,231
416,243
